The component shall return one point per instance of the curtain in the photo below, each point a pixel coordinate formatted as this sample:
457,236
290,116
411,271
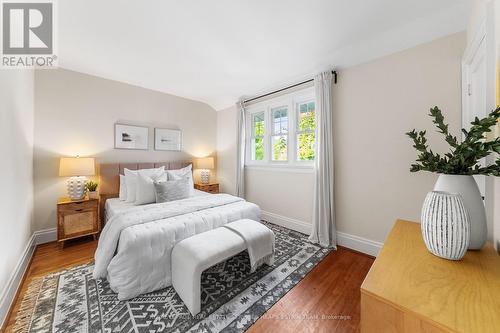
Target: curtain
323,223
240,159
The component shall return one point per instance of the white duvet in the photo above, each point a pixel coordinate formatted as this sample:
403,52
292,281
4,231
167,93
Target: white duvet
135,245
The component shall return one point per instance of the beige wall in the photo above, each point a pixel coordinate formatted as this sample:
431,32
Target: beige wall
16,149
76,113
374,104
227,125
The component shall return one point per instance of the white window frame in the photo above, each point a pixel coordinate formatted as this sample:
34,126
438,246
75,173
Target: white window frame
291,101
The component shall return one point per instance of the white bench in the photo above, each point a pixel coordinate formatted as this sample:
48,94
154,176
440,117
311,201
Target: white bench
191,256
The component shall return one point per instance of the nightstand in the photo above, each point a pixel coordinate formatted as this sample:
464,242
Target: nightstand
210,188
77,218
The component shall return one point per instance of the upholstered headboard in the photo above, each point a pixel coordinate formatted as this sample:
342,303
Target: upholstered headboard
109,177
109,174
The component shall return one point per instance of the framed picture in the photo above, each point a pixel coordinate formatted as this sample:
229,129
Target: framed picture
131,137
168,139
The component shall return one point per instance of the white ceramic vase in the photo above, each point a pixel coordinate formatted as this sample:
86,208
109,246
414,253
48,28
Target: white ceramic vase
445,225
467,187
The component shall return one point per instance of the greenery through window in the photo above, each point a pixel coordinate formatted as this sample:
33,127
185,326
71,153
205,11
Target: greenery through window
282,130
306,131
280,133
258,131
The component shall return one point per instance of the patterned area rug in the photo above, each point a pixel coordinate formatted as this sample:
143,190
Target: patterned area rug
232,298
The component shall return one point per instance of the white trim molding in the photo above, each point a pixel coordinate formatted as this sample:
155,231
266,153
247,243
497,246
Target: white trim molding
38,237
45,236
353,242
15,280
287,222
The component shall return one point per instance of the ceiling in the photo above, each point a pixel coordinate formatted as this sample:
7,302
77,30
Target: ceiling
217,51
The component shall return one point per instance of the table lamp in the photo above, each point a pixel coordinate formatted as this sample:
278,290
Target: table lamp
76,168
205,164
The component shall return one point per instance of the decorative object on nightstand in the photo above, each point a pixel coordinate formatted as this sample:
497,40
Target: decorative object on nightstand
210,187
205,164
445,225
77,218
76,168
91,187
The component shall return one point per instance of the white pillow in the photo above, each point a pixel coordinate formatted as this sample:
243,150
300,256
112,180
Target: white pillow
131,180
183,173
145,190
172,190
123,188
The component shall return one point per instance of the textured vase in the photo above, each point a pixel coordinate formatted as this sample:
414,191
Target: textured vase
76,187
445,225
467,187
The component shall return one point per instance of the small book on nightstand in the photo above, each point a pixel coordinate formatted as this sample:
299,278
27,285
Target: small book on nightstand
210,187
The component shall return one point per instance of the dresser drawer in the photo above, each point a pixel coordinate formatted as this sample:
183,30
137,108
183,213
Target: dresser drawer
78,207
210,188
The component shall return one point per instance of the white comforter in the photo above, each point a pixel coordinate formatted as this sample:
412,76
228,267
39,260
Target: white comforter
135,245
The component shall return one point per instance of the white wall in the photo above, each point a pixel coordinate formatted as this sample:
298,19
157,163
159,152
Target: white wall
76,113
374,104
16,198
487,13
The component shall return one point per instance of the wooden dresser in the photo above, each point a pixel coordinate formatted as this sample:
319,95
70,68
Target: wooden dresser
77,218
410,290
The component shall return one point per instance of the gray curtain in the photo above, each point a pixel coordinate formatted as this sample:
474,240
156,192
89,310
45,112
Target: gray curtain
240,159
323,223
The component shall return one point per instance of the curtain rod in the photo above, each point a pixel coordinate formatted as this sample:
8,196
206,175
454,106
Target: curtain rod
289,87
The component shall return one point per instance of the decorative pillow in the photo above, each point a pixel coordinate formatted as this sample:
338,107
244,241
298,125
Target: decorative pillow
123,188
172,190
145,189
131,180
183,173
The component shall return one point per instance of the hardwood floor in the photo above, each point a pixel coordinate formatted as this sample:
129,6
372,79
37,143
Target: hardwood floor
330,289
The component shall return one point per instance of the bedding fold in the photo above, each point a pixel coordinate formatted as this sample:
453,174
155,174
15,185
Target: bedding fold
259,240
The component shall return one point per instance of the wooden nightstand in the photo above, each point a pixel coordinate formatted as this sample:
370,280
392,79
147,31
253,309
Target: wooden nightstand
77,218
210,188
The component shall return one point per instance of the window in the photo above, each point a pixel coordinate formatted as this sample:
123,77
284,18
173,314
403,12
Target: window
279,140
258,136
282,130
306,131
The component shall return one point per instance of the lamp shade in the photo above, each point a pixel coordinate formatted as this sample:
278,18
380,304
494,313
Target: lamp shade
76,166
205,163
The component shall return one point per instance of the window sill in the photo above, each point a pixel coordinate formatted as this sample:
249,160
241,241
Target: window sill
282,168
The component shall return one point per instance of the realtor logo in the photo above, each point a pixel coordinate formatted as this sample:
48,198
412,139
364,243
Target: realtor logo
28,34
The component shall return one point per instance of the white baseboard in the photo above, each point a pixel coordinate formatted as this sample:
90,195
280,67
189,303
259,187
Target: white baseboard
38,237
287,222
360,244
45,236
353,242
15,280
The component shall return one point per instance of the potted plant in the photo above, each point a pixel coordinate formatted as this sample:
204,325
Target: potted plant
459,164
92,189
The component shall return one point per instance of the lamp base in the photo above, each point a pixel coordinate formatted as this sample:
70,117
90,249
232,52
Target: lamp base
76,187
205,176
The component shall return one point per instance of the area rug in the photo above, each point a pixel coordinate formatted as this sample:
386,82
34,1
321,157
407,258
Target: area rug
232,297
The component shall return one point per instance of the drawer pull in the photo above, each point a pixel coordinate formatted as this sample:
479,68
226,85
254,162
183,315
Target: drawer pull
78,210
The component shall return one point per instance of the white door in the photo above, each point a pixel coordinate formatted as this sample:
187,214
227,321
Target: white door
475,95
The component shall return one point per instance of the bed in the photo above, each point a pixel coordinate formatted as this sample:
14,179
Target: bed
136,242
